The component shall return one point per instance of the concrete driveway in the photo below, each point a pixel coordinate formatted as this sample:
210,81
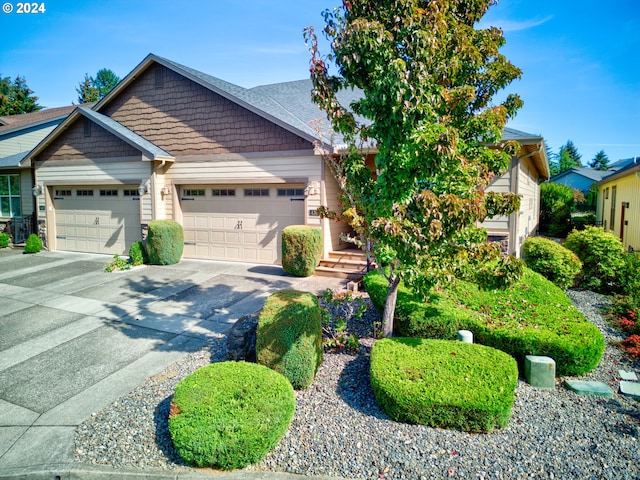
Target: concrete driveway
74,338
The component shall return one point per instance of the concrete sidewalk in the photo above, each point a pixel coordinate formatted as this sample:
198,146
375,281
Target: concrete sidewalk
74,339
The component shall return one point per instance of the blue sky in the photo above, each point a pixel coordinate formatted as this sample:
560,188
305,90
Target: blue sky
581,60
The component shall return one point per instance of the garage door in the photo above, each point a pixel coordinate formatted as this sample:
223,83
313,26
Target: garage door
97,219
239,222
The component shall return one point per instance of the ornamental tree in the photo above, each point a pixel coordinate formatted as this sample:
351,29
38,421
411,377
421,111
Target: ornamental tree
427,78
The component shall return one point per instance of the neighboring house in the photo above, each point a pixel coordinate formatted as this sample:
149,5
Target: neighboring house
18,135
523,177
580,178
618,207
234,166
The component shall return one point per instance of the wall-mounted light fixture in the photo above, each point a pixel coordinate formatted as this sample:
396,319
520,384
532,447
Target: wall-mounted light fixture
165,191
37,190
312,189
626,204
143,188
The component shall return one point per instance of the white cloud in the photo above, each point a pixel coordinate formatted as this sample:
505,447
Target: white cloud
514,25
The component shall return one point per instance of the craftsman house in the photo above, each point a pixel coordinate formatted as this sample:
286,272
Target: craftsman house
234,166
18,135
618,207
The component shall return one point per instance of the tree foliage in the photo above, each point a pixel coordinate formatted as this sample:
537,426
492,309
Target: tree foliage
600,161
16,97
428,79
92,89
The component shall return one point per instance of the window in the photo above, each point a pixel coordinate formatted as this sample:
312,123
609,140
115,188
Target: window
223,192
193,192
10,196
290,192
63,193
131,193
612,218
108,193
256,192
84,193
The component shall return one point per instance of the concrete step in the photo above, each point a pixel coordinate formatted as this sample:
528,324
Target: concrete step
347,274
343,263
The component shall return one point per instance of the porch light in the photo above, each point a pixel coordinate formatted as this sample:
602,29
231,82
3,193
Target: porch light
143,188
36,190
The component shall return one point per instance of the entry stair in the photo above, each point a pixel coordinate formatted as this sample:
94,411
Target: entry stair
350,264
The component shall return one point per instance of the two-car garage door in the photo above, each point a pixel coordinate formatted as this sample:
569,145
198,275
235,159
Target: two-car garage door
239,222
96,219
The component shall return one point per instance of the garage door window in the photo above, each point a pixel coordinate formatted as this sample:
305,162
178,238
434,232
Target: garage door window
290,192
84,193
10,196
223,192
256,192
192,192
108,193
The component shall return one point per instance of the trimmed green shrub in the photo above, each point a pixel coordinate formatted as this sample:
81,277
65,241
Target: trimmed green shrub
443,383
301,249
580,222
551,260
165,242
601,253
289,336
500,273
138,254
629,276
230,414
33,244
533,317
5,239
556,203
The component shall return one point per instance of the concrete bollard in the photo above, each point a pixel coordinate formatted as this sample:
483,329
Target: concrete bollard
465,336
540,372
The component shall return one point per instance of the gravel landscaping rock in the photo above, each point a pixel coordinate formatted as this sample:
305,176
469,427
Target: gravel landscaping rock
338,430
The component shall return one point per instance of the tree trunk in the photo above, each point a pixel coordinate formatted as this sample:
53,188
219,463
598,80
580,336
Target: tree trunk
390,306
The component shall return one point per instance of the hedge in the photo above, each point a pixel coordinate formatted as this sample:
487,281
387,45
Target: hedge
301,250
289,336
165,242
533,317
443,383
550,259
230,414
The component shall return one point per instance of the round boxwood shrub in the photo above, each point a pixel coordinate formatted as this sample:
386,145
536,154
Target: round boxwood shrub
289,336
4,240
138,254
33,244
550,259
601,253
444,383
301,249
230,414
165,242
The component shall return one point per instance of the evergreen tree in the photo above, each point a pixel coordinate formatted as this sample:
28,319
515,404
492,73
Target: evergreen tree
16,97
568,157
600,161
92,89
87,93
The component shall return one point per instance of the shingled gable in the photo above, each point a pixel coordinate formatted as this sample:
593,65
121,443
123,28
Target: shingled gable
231,107
148,150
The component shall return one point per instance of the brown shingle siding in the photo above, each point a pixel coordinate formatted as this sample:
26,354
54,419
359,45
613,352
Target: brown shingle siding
72,144
185,118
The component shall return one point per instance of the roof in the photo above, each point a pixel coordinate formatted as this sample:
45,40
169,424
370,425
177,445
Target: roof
123,133
590,173
631,167
287,104
150,150
13,161
12,123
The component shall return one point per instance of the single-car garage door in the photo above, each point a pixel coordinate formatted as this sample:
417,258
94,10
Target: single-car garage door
239,222
97,219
